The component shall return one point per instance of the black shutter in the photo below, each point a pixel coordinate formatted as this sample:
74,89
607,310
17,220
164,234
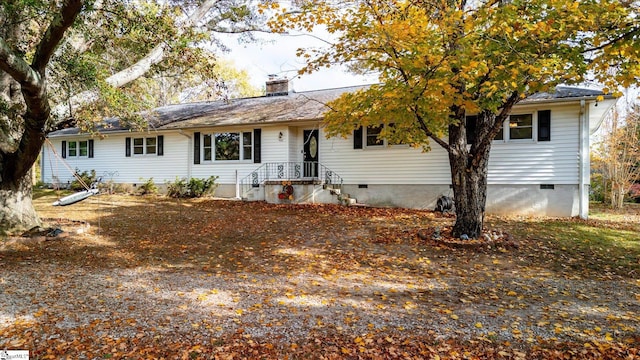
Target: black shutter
90,148
127,147
471,126
357,138
160,143
544,125
196,148
257,143
64,149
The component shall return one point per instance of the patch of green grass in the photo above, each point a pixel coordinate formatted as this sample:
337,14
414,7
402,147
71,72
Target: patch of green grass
592,247
39,193
630,213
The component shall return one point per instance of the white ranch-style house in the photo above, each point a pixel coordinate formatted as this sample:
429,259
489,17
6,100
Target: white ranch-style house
539,164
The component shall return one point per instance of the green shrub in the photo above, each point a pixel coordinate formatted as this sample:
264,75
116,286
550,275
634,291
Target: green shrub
148,187
177,188
193,188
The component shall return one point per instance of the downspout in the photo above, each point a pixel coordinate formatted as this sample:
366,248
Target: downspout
584,162
189,153
42,163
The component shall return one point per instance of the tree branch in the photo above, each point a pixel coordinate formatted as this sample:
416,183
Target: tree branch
54,34
16,67
428,132
478,150
625,36
142,66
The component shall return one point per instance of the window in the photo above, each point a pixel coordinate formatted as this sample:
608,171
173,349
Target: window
153,145
521,126
73,148
79,148
527,127
143,146
373,139
373,133
207,147
246,146
138,146
83,148
227,146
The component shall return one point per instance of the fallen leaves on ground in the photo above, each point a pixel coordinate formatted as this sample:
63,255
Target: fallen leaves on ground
155,277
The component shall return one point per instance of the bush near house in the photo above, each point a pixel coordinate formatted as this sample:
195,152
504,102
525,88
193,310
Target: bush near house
192,188
148,187
88,177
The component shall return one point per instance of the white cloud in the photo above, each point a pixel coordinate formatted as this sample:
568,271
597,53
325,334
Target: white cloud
276,54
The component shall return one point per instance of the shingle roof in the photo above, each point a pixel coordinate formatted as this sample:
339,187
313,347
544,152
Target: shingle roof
564,92
308,105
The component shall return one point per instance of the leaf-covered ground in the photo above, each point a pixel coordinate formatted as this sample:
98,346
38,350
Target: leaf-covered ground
160,278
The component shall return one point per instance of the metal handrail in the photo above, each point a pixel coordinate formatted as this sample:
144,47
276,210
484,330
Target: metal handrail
289,171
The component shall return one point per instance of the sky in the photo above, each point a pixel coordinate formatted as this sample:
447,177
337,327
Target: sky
276,54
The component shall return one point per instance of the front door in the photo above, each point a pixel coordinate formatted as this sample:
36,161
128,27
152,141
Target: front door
310,153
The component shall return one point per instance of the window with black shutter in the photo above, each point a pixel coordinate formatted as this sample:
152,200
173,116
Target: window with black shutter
357,138
257,141
160,144
127,147
544,125
196,148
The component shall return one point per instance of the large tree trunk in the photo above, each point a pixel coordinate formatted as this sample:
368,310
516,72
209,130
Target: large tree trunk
470,196
469,165
17,213
470,193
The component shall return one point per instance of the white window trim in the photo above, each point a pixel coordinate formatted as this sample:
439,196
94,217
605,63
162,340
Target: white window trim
144,146
77,155
506,133
240,151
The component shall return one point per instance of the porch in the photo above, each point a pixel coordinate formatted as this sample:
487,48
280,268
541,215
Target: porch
294,182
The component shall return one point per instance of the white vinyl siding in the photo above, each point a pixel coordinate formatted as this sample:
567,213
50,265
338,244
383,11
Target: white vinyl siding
510,162
544,162
110,157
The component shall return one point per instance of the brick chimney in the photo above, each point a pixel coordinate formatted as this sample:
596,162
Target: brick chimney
277,87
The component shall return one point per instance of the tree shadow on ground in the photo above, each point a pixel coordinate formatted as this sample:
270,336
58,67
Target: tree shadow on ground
205,269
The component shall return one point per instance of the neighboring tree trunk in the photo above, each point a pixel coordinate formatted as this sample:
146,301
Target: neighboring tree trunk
17,213
617,195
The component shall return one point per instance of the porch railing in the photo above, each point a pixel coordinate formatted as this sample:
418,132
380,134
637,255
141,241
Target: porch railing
290,171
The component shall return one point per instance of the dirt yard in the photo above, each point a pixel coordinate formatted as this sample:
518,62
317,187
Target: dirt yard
152,277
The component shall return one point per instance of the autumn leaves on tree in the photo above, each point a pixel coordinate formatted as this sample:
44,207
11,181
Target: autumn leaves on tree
441,61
